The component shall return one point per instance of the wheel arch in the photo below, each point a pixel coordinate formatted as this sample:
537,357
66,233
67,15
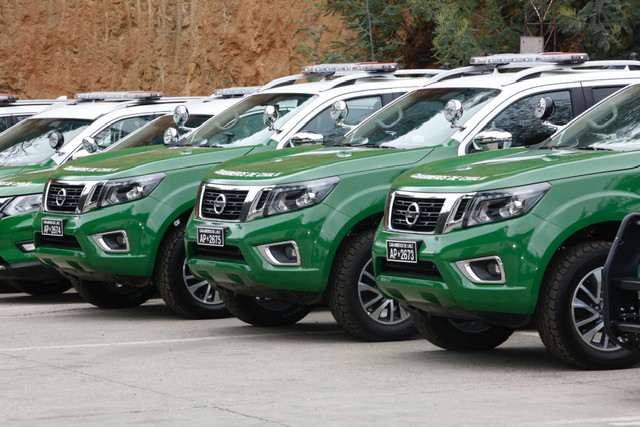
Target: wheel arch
364,222
180,216
595,231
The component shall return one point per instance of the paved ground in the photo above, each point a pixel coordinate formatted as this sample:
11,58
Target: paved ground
64,362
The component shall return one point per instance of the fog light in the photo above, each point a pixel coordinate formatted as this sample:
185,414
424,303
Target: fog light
493,268
113,241
28,246
483,270
281,254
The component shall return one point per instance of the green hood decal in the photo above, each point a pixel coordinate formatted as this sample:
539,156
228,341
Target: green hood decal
133,162
314,161
510,168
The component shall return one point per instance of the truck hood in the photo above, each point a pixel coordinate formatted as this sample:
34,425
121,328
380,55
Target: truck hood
134,162
312,162
24,183
512,168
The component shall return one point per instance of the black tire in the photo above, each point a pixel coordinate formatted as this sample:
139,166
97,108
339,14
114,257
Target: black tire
112,295
459,335
264,312
568,275
355,301
32,287
180,290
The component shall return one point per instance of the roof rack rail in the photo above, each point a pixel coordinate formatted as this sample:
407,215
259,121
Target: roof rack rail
459,72
419,71
610,63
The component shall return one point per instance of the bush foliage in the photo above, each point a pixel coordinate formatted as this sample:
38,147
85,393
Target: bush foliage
422,33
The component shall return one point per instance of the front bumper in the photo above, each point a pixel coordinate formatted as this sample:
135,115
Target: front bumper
17,260
239,266
78,254
443,290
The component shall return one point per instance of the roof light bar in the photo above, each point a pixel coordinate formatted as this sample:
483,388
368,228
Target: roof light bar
549,57
377,66
359,66
111,96
8,97
236,91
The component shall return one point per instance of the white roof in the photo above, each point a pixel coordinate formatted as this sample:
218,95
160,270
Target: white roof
503,80
93,110
317,88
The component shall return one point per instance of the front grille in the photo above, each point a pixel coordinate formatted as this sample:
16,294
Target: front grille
428,213
461,208
96,193
66,241
227,252
421,269
228,207
63,197
263,199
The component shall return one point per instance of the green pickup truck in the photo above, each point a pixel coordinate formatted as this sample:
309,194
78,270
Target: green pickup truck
113,223
480,246
280,232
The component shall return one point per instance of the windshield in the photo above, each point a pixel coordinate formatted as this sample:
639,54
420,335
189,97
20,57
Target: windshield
153,133
242,124
614,124
417,120
27,143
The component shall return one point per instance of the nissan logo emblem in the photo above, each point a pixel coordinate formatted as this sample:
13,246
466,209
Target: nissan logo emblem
413,212
61,196
219,204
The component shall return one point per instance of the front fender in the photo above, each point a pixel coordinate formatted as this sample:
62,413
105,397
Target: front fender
572,205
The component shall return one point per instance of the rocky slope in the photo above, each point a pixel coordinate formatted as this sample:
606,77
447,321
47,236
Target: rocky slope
182,47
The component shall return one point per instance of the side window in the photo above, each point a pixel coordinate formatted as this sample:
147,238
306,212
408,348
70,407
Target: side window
5,123
359,109
520,121
21,118
119,129
600,93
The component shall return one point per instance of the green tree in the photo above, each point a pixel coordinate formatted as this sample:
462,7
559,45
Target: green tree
423,33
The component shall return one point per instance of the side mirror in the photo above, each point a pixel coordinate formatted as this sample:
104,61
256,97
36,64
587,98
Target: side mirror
339,111
56,140
545,108
492,140
170,136
270,115
89,144
302,138
453,112
180,116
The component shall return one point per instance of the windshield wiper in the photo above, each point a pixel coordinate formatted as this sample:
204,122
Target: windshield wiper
591,148
372,145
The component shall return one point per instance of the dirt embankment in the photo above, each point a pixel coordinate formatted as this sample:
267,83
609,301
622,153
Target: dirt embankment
182,47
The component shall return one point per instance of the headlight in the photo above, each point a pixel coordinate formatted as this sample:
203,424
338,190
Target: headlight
498,205
291,197
128,189
22,204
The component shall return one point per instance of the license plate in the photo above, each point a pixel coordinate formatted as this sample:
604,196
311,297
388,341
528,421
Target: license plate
52,226
211,236
402,251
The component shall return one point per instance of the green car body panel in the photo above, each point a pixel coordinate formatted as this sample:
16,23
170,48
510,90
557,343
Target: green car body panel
601,186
